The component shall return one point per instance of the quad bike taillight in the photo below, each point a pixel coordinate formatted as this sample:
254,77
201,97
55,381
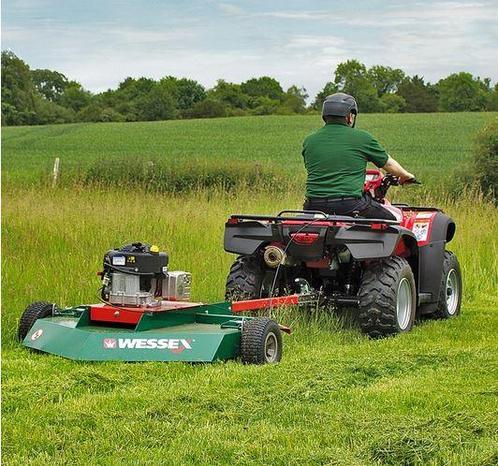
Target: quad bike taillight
304,238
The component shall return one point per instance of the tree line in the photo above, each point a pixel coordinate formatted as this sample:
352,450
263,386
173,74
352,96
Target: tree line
42,96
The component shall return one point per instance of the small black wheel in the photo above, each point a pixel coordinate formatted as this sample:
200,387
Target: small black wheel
450,295
261,341
31,314
387,298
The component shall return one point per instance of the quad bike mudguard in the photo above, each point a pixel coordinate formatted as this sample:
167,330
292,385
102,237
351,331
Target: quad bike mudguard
430,253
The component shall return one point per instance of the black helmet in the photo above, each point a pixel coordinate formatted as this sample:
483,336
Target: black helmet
339,104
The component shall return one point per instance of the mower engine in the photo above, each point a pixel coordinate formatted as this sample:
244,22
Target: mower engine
137,275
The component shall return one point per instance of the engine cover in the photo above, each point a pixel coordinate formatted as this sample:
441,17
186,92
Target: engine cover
133,275
137,275
137,257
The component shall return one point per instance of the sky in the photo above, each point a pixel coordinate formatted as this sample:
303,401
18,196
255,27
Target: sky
101,42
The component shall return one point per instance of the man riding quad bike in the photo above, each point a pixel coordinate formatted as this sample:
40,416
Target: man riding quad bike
349,247
336,158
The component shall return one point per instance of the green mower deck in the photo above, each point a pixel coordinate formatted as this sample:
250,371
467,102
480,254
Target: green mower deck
176,332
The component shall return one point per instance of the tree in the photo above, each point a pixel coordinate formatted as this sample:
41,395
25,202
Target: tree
186,92
352,78
486,159
45,96
230,94
366,97
74,96
189,93
419,97
264,105
385,79
330,88
208,108
294,100
460,92
94,112
393,103
140,99
135,88
263,87
50,84
48,112
157,104
19,94
493,99
347,75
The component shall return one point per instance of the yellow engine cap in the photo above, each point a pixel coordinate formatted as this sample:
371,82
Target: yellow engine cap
154,248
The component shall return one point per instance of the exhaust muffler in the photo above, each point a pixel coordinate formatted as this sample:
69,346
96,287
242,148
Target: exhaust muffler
274,256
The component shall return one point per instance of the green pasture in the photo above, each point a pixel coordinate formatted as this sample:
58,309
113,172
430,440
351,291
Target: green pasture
428,397
433,145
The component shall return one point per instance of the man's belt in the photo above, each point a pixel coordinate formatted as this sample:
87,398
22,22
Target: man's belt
333,199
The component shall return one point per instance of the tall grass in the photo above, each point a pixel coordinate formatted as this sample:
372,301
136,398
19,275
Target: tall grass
180,177
53,240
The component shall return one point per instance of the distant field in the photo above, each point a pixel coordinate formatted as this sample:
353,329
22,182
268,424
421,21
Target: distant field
428,397
431,145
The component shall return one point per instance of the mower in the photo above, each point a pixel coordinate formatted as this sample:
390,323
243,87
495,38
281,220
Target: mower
388,271
145,314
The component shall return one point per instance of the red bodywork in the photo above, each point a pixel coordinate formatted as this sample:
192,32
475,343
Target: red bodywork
418,221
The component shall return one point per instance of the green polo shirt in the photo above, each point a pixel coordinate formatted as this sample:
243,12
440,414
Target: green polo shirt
336,158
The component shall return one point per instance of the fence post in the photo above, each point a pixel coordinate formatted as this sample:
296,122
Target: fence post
57,167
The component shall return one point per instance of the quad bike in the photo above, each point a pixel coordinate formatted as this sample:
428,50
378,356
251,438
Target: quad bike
391,271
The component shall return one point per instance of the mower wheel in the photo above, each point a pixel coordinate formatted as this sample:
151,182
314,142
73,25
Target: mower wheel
261,341
387,298
245,279
31,314
450,295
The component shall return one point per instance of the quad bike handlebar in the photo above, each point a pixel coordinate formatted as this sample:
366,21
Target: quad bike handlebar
394,180
377,184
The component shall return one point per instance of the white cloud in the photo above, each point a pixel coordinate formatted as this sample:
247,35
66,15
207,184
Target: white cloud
231,9
431,39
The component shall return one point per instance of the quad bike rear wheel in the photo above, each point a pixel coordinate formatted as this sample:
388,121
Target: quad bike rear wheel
261,341
250,279
450,295
387,297
244,279
31,314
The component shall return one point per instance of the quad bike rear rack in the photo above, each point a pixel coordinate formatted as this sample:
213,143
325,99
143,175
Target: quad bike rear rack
312,216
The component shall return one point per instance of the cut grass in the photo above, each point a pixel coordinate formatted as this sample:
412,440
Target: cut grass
335,398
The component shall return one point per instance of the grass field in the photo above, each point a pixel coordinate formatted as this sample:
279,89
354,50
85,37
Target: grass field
432,145
428,397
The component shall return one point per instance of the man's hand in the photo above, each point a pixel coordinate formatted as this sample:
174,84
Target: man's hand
404,178
396,169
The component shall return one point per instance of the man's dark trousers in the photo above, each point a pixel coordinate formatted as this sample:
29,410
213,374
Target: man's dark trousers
365,206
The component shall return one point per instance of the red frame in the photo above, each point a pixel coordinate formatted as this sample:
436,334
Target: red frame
263,303
131,315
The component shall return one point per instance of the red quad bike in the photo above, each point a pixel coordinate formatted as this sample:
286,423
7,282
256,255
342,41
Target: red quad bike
391,271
